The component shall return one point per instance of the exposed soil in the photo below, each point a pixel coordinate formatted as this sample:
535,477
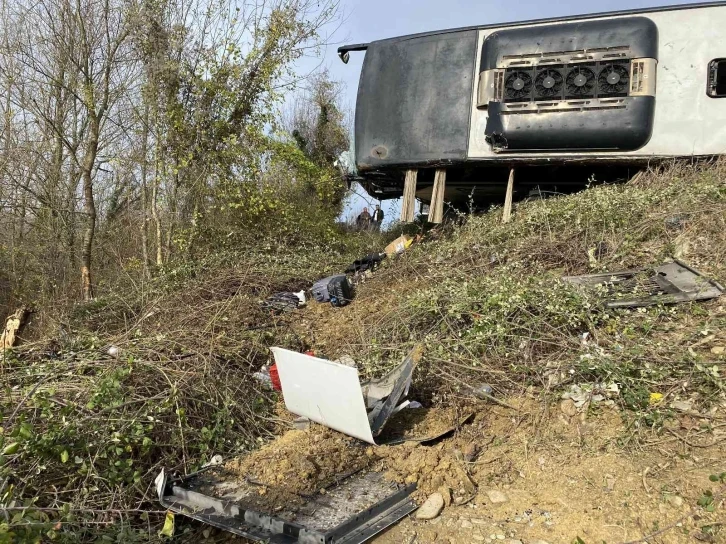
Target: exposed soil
572,477
303,462
421,424
564,476
341,331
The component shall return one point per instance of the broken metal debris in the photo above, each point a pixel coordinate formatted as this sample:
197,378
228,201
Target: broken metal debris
670,283
351,510
284,302
407,404
332,395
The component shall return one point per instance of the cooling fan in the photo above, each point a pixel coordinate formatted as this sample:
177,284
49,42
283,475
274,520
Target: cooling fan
580,81
613,79
548,83
517,86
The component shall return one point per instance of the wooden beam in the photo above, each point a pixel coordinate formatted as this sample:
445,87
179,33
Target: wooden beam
436,209
408,208
507,213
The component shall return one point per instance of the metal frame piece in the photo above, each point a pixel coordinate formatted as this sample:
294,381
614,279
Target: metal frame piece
179,496
666,284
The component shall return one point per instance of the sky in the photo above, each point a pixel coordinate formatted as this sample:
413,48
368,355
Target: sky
368,20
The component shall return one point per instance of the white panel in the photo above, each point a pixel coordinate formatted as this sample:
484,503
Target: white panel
687,121
323,391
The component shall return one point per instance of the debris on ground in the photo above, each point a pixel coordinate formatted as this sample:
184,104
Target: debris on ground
368,263
284,302
666,284
399,245
588,393
482,300
331,393
356,504
337,290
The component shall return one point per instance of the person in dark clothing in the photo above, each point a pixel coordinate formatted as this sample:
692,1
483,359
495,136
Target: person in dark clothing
377,218
364,220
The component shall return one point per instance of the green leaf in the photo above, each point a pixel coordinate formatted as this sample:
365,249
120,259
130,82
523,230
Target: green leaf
64,456
713,478
11,448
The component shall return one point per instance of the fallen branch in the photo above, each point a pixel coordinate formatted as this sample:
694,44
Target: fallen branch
13,325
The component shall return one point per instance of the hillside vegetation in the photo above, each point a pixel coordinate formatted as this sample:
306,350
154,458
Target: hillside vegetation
85,429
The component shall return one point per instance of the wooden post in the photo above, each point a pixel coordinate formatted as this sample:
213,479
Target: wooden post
507,214
408,208
436,209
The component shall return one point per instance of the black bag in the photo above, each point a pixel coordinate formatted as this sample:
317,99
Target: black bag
334,289
369,262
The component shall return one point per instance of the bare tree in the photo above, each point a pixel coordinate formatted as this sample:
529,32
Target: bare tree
144,112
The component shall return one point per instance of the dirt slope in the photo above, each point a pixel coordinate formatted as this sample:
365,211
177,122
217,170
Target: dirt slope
567,478
486,302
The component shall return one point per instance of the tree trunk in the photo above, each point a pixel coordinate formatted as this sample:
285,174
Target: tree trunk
145,195
89,206
154,206
157,224
54,180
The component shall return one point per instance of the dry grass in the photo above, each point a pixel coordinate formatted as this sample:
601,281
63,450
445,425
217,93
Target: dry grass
486,299
91,430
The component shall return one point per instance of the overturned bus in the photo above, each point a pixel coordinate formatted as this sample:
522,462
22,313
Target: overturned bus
451,115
